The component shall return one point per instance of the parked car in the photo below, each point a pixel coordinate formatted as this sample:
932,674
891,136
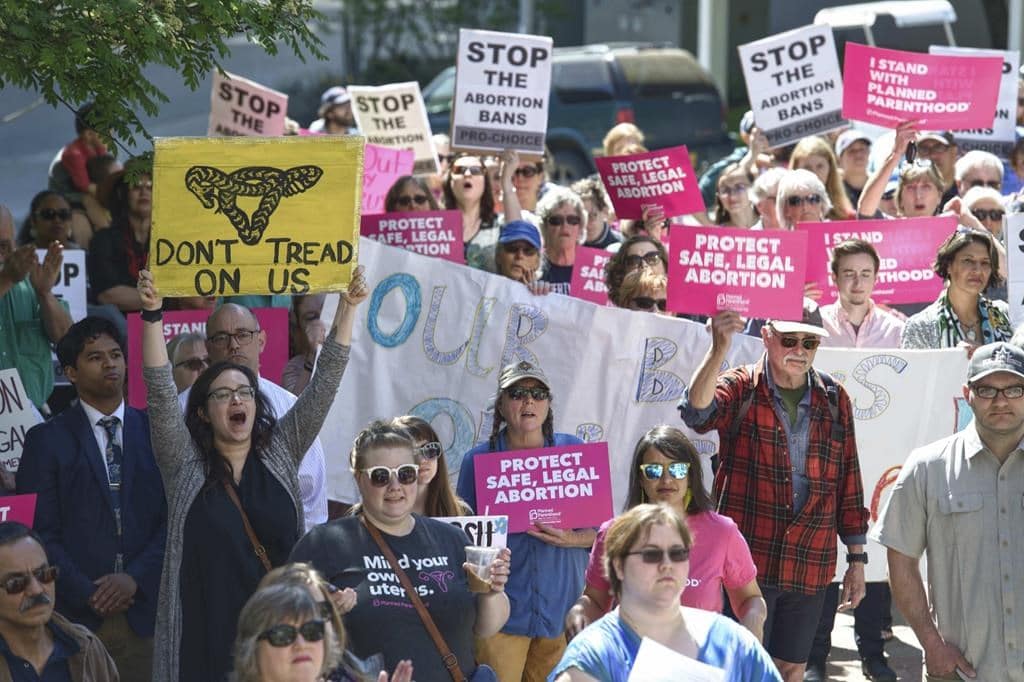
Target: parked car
663,90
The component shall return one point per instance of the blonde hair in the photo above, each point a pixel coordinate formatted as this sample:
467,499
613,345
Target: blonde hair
618,133
644,279
841,208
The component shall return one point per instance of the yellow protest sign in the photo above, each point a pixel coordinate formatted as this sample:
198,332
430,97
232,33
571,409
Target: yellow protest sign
249,215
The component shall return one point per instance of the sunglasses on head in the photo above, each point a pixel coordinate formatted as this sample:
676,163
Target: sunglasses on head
557,220
51,213
529,171
194,364
16,583
792,341
648,303
794,201
380,476
407,201
988,214
430,450
655,555
537,393
650,258
285,635
467,170
654,472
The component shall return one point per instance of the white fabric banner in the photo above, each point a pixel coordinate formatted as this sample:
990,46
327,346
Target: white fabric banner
434,335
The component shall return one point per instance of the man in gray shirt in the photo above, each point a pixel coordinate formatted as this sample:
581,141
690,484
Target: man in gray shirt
960,500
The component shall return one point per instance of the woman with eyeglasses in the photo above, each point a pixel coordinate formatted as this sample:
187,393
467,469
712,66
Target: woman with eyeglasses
815,154
649,563
548,562
48,221
434,495
563,221
666,469
431,553
636,253
410,194
230,473
962,316
732,200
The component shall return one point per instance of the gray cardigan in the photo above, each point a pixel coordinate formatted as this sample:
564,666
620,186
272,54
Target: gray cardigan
183,477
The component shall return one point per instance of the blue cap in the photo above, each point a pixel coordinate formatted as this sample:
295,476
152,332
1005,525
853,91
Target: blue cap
520,230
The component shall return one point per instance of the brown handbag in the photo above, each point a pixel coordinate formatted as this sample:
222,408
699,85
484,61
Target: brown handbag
257,546
449,659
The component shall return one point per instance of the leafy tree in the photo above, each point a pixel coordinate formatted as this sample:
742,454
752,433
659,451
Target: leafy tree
72,51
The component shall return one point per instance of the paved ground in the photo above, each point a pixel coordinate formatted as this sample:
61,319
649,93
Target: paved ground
903,650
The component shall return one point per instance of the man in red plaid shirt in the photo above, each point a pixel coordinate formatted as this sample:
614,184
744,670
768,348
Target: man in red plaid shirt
789,475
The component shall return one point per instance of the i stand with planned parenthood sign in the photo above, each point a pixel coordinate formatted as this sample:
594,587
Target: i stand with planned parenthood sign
502,88
794,84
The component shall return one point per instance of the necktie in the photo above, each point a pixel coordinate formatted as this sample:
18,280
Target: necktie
114,456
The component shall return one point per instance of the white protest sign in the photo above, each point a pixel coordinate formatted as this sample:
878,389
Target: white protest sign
394,116
447,330
794,84
239,106
1000,138
502,87
17,416
71,282
483,531
655,662
1013,228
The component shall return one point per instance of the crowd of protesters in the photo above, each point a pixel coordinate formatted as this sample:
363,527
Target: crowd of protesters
191,540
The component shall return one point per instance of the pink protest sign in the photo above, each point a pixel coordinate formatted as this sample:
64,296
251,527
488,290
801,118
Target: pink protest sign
662,179
885,87
588,275
431,233
381,167
757,274
906,250
272,360
567,486
20,508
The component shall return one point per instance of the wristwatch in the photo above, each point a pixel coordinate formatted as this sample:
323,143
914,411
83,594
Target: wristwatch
856,556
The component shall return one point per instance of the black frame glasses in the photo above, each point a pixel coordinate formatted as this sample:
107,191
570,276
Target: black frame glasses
649,304
655,470
244,394
557,220
16,583
195,364
51,213
243,336
285,635
381,476
1015,392
406,201
537,393
637,261
793,200
656,555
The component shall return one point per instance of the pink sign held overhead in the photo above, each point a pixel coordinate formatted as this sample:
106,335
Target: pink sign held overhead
567,486
430,233
757,274
588,275
274,321
381,167
906,250
884,87
20,508
662,179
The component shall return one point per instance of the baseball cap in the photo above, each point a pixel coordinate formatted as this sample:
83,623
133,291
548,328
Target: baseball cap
520,230
516,372
847,138
787,327
890,189
996,357
334,95
943,136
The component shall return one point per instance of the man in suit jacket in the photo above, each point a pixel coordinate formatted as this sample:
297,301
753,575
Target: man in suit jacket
100,508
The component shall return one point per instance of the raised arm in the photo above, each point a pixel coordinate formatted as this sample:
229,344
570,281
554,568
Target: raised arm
705,379
871,196
509,198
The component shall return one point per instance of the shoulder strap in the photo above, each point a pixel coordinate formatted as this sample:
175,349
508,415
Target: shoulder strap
748,400
447,657
257,546
832,393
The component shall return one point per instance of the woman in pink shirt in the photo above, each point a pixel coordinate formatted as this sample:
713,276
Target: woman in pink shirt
667,469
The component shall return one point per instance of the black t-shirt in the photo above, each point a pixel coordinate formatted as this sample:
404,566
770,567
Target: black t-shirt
559,276
384,620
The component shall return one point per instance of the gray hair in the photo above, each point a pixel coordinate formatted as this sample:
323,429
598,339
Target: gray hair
977,159
180,340
766,185
266,608
799,182
557,197
977,193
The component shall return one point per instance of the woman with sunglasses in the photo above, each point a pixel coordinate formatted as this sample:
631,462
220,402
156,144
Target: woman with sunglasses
986,204
962,316
548,563
230,473
667,469
733,207
431,553
801,198
467,188
49,220
410,194
636,253
649,563
563,221
643,290
527,181
434,493
814,154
